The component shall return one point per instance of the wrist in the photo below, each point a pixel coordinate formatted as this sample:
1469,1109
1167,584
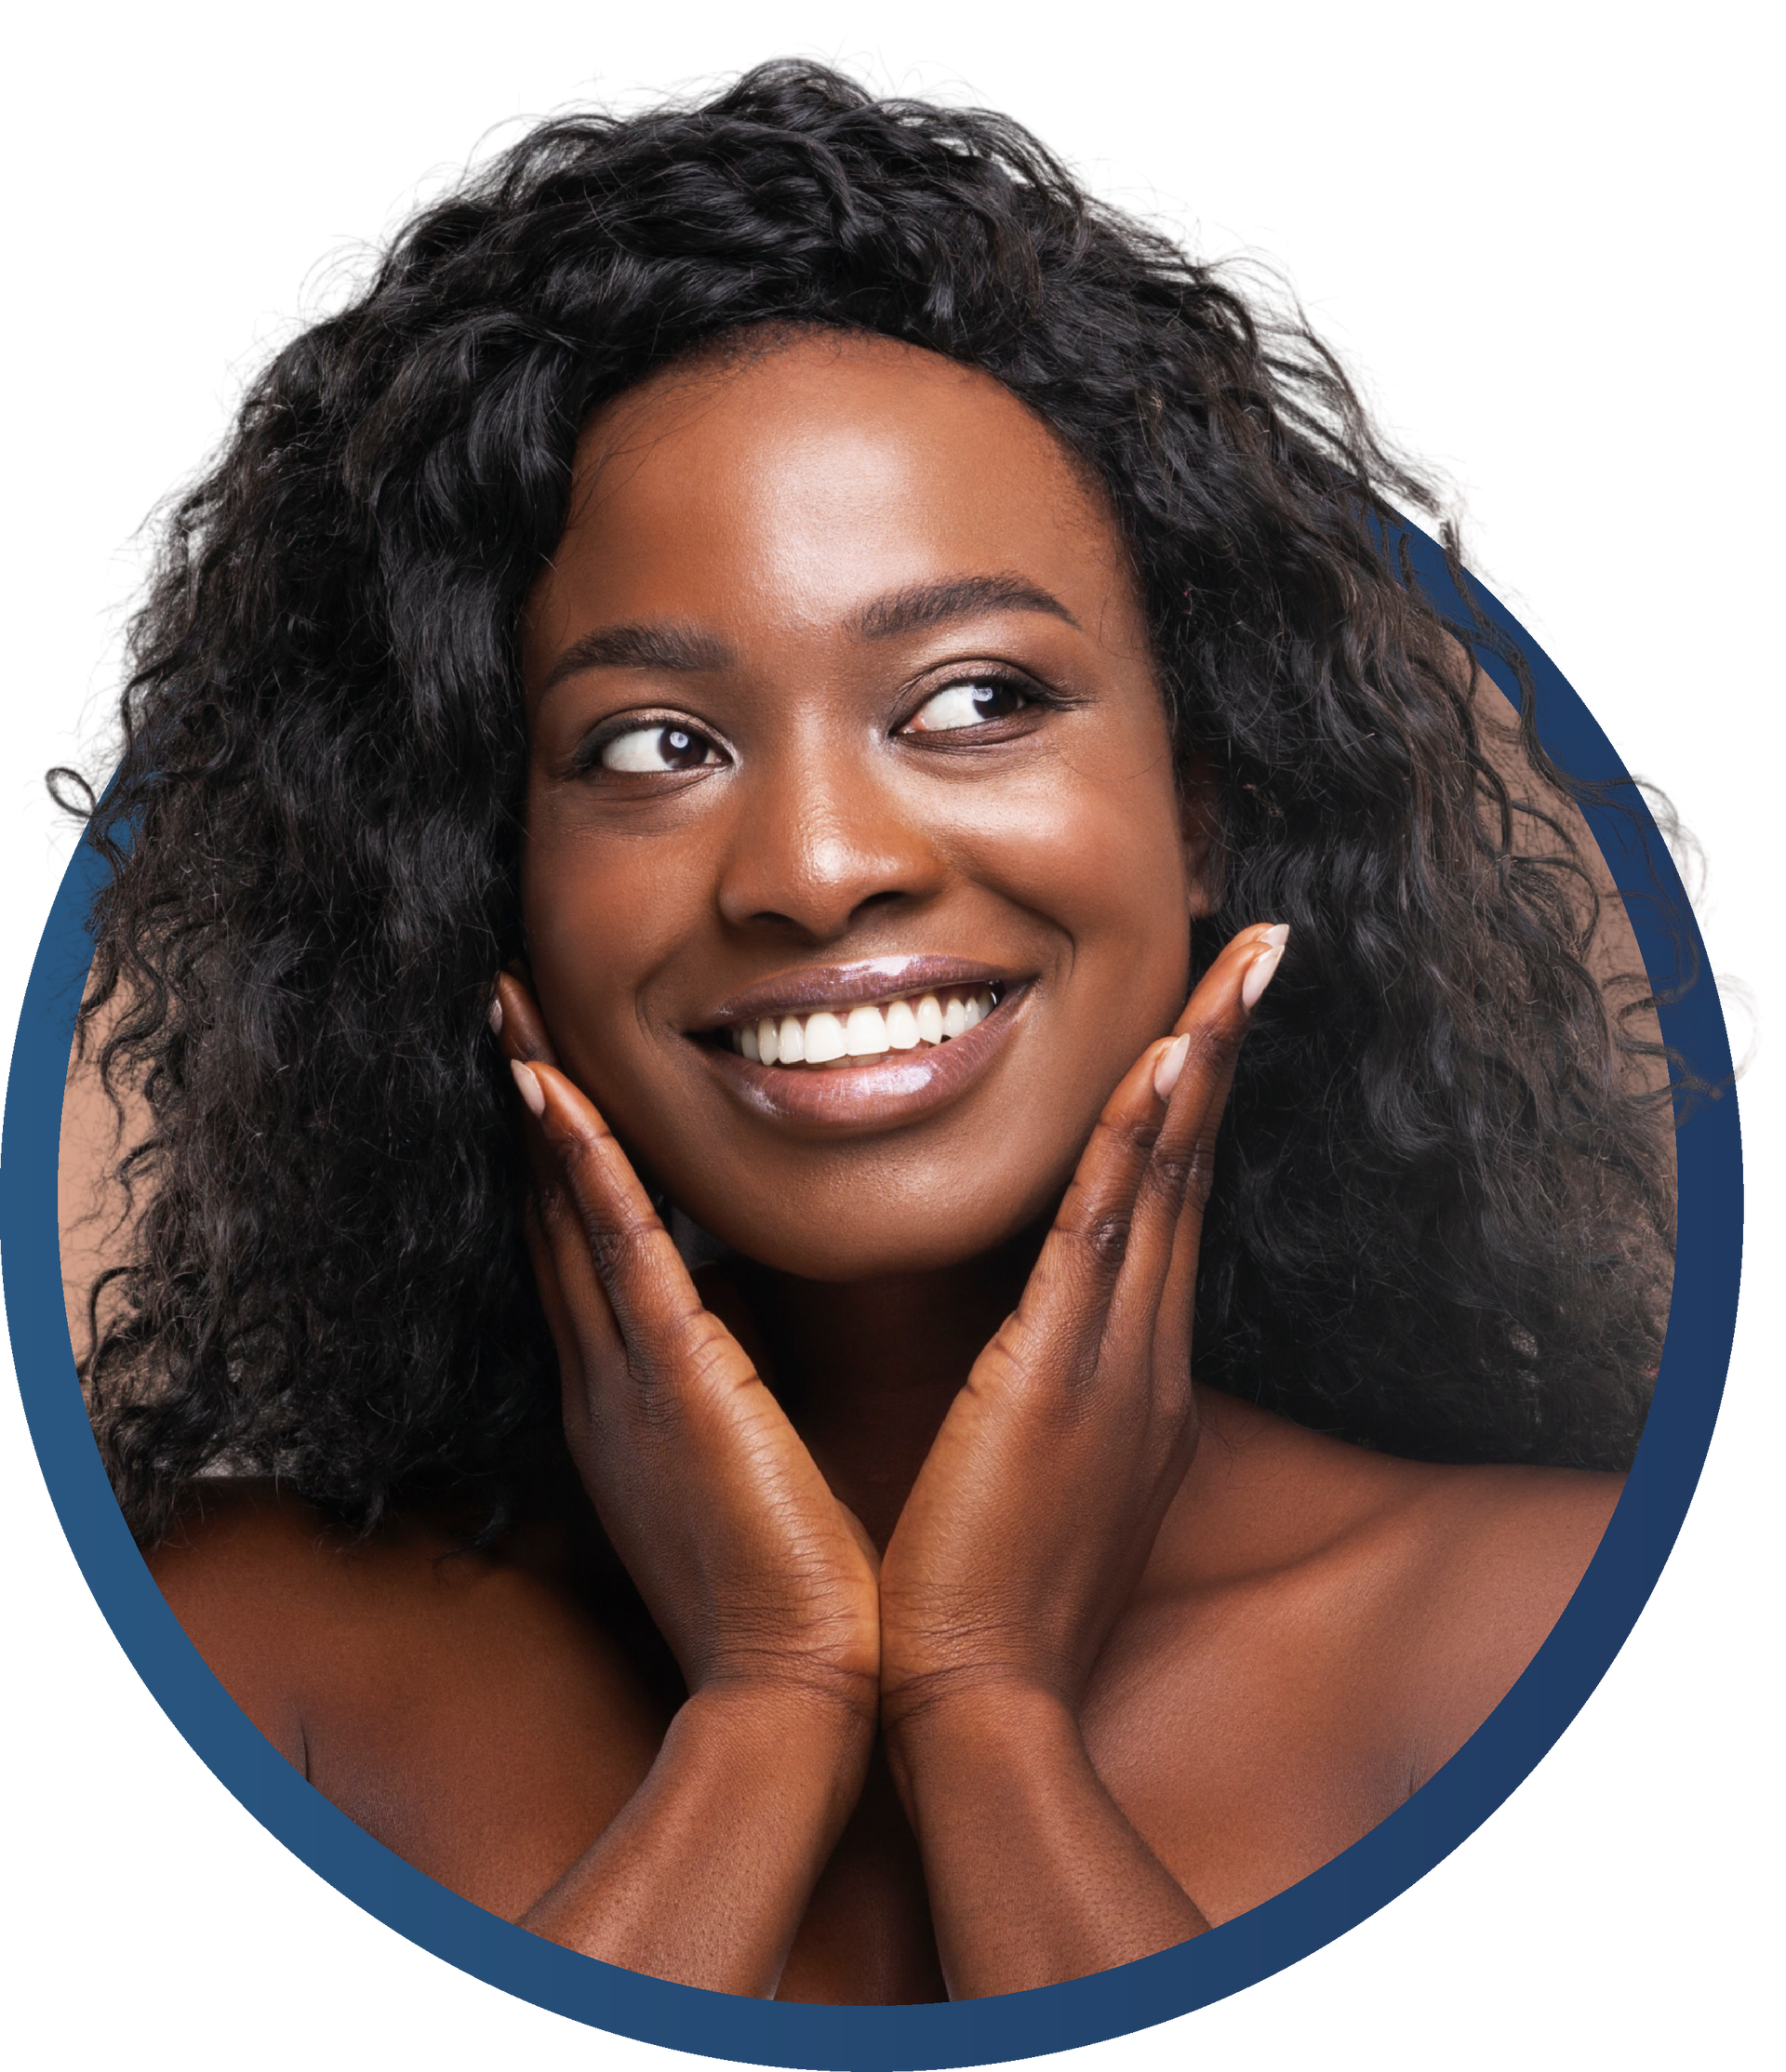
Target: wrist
704,1875
960,1727
812,1710
811,1743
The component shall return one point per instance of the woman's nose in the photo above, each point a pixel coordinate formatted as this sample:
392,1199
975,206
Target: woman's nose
816,843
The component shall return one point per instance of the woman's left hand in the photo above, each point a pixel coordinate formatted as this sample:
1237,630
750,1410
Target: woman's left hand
1034,1513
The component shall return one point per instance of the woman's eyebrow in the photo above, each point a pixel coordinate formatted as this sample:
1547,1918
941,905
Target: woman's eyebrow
922,605
686,649
679,648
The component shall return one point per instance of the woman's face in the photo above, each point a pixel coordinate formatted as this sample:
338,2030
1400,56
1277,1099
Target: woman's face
839,697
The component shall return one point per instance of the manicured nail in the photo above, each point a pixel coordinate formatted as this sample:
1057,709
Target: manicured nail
1166,1073
531,1091
495,1015
1259,973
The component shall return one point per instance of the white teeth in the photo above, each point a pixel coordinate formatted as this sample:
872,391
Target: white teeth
861,1033
824,1039
865,1032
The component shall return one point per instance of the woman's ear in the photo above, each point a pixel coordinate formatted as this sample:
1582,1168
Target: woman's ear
1199,808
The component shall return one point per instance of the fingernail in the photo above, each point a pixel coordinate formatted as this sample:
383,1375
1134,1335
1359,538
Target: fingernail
531,1091
495,1015
1166,1073
1259,973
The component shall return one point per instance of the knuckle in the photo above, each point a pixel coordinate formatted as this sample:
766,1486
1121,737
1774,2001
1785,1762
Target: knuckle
1200,1170
606,1247
1214,1048
639,1397
668,1381
1174,1169
1185,1174
1104,1237
1134,1135
657,1406
586,1150
619,1248
578,1142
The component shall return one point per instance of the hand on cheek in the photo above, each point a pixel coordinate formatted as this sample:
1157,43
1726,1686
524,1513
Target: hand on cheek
1034,1514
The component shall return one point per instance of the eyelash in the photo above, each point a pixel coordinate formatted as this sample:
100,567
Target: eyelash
587,757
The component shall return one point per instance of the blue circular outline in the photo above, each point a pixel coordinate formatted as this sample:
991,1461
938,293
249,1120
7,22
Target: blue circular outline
1374,1870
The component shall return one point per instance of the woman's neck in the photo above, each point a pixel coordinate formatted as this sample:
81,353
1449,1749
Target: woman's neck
867,1370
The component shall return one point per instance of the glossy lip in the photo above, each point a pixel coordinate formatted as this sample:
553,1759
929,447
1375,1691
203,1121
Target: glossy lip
870,981
880,1092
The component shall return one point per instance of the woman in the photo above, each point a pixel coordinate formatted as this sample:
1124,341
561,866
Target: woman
916,693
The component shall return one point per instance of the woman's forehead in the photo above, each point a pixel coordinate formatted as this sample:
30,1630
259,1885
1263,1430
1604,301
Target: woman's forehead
846,402
802,483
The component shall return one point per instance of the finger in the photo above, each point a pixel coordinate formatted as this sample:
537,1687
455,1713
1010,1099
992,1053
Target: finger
640,1270
542,1164
1196,1074
576,1307
1126,1165
519,1029
558,1316
1068,1294
1173,1340
587,1311
1149,1306
517,1021
860,1534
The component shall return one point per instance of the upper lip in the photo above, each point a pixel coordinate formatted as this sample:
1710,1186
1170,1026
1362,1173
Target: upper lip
869,980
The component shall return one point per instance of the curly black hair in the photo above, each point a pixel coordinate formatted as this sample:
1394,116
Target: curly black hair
1441,1223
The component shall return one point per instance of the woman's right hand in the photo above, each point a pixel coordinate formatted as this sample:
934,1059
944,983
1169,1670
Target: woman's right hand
761,1582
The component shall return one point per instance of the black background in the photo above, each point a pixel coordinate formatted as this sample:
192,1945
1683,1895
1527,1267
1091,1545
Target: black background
1525,253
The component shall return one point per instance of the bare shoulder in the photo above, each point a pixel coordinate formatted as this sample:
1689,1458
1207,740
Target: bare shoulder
243,1571
1346,1614
1537,1527
267,1589
1492,1557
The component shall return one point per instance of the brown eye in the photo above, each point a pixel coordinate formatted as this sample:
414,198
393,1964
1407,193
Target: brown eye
971,703
654,750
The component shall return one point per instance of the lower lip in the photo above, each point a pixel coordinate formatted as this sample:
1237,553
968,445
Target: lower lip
880,1092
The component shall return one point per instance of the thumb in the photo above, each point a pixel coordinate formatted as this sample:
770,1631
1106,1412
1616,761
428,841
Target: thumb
859,1534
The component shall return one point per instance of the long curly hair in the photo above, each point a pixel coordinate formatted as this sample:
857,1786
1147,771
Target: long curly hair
1441,1223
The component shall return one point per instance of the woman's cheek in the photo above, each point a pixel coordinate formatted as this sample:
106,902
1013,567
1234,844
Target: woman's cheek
1103,865
600,917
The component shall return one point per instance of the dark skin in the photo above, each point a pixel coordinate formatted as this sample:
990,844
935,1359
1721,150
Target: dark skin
902,1622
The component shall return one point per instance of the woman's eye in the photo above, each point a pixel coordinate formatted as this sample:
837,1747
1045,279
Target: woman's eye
967,704
654,750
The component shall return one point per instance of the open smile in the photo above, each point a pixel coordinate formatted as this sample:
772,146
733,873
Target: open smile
827,1039
823,1054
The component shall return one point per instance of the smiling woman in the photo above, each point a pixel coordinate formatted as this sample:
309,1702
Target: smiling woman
790,837
847,703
